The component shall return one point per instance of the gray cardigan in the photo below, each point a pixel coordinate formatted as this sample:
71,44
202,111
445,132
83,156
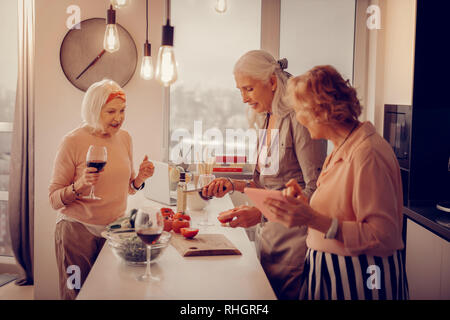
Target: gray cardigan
282,250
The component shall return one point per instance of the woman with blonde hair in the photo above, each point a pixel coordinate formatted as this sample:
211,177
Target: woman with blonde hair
354,218
285,151
80,221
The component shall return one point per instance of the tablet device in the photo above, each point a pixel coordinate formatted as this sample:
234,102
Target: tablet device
258,196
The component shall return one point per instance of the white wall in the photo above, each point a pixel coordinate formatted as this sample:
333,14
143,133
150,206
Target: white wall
58,111
385,57
399,47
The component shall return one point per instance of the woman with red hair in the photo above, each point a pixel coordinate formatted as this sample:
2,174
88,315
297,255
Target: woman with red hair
354,217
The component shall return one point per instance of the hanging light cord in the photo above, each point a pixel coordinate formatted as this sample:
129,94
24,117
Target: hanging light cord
168,10
146,15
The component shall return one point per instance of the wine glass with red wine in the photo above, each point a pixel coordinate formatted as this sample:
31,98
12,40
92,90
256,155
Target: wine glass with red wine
149,225
95,158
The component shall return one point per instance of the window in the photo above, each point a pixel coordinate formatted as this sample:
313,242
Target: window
317,32
207,45
8,80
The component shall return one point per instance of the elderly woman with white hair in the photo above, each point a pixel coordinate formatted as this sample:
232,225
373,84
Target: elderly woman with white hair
80,221
285,151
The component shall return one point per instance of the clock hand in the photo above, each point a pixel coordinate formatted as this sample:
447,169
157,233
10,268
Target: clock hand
92,63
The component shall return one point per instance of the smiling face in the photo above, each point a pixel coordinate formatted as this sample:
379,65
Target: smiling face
257,94
112,116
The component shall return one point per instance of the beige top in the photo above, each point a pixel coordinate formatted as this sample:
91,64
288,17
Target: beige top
282,250
113,185
361,186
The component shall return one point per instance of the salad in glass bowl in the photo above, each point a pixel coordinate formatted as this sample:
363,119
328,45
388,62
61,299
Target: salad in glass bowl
127,246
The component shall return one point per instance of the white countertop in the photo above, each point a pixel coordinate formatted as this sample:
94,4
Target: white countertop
238,277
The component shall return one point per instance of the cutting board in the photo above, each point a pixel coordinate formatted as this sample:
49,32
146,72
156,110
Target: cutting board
204,245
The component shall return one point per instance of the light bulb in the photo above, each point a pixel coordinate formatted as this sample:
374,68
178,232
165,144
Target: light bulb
118,4
111,41
166,67
146,68
221,6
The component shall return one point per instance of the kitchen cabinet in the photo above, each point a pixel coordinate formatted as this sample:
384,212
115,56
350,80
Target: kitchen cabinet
427,264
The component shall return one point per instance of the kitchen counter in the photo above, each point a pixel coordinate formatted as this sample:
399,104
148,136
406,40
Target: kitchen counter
431,218
237,277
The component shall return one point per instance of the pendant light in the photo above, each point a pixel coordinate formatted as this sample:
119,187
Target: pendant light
119,4
221,6
166,67
111,41
147,65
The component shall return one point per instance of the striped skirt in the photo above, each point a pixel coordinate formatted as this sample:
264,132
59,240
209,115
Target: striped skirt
328,276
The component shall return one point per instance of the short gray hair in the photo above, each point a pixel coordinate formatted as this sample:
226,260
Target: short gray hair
260,65
94,99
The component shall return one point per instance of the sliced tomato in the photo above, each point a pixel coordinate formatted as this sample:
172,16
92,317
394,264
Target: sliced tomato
167,212
182,216
168,221
224,219
189,232
180,223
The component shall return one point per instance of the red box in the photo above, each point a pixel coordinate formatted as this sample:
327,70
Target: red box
231,159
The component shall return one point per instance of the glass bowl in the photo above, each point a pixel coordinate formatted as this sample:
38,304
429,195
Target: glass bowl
128,247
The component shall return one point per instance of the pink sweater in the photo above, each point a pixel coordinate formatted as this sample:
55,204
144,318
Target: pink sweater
361,186
113,185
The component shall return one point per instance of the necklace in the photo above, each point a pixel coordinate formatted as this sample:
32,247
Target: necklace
264,162
337,149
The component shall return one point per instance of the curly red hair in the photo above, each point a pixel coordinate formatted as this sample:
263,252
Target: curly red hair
323,92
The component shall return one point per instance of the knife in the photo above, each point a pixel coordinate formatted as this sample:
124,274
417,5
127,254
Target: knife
199,190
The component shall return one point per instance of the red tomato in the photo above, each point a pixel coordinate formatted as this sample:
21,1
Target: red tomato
224,219
182,216
168,221
166,212
189,232
179,223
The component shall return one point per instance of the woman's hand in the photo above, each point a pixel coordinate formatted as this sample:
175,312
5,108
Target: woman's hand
88,178
294,190
243,216
292,212
217,188
146,170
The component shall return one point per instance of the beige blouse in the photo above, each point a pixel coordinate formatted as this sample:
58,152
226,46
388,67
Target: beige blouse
361,186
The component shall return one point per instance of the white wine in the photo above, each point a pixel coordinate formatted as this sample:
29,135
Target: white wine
181,194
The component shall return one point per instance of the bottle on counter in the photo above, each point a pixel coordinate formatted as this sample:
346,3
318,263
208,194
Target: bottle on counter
181,194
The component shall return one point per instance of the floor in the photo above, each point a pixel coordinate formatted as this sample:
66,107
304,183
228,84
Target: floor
12,292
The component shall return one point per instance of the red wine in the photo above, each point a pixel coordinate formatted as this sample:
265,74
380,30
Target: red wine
149,235
96,164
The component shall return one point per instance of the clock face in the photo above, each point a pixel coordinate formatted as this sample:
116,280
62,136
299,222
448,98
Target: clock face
81,46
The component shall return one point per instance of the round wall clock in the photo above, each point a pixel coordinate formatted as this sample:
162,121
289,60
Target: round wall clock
84,61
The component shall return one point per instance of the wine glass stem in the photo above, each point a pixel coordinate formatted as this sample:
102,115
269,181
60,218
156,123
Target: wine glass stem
91,195
149,256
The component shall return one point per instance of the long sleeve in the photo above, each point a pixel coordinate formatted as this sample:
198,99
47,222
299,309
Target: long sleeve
375,206
63,175
361,187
